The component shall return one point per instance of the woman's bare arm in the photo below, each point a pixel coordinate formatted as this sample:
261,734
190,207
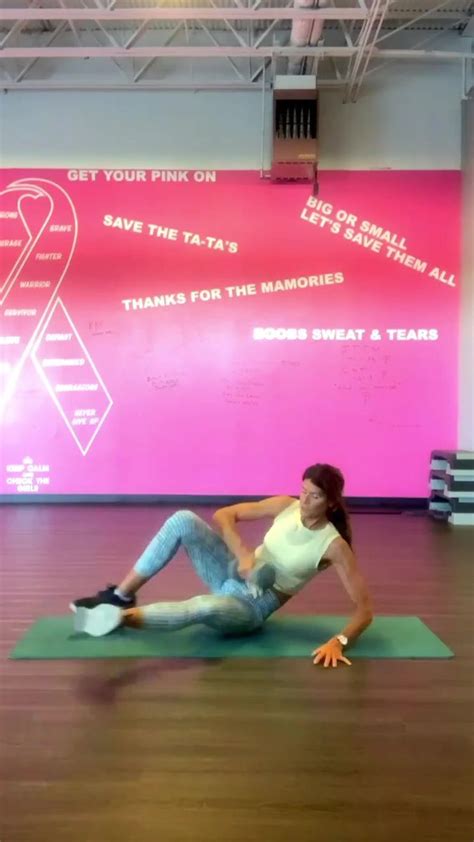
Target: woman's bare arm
344,562
226,520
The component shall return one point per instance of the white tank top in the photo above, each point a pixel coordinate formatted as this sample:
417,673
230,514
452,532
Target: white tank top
293,550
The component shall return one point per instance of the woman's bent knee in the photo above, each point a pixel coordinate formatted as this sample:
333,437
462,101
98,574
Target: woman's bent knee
184,520
183,514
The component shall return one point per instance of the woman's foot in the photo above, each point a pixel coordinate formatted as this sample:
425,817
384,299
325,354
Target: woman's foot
108,596
98,621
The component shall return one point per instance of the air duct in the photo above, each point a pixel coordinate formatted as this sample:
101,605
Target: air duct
295,129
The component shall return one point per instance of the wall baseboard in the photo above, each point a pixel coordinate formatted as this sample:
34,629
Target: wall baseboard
355,504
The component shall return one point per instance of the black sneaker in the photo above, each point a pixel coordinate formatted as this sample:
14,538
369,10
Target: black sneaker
107,596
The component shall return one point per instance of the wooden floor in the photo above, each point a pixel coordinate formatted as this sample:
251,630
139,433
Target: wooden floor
236,751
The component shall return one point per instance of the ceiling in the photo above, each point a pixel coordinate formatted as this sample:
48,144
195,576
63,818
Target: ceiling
235,44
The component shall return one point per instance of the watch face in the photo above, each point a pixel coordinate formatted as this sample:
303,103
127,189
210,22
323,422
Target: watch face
343,639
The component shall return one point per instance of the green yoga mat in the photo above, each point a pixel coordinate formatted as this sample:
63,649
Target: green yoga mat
281,637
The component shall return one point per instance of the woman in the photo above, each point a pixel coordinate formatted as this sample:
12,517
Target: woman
247,586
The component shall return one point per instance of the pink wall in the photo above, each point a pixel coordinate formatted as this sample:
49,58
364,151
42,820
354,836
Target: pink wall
106,390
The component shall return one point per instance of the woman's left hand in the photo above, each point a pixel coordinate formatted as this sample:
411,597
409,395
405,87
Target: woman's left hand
331,653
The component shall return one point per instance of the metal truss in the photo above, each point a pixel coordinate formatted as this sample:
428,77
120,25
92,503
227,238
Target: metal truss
249,37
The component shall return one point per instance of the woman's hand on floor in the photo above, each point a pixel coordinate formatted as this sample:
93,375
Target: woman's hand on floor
330,653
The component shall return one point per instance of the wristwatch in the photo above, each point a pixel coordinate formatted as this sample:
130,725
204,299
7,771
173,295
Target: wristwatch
343,640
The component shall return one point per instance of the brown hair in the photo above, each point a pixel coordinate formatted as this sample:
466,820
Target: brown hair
330,480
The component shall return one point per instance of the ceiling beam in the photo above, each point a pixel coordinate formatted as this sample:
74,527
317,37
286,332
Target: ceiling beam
224,52
154,85
181,13
23,16
426,14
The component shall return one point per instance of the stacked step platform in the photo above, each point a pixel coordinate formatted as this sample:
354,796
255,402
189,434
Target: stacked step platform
452,486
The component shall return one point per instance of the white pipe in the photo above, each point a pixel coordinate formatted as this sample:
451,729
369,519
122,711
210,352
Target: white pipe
262,161
368,54
304,32
361,46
